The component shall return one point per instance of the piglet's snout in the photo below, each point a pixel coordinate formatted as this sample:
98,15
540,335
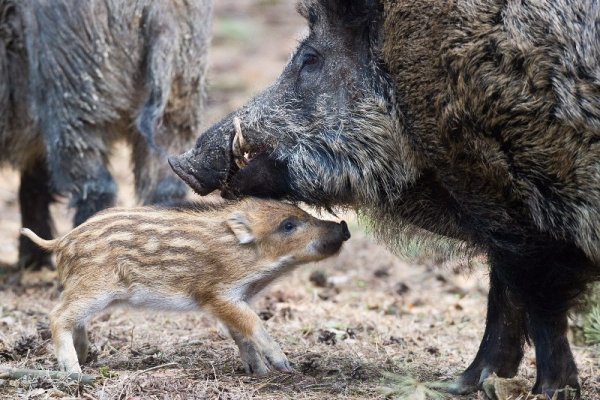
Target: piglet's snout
336,235
345,231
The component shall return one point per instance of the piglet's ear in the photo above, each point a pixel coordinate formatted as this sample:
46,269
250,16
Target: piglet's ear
238,223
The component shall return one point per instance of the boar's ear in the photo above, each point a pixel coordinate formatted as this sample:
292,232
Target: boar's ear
353,13
240,226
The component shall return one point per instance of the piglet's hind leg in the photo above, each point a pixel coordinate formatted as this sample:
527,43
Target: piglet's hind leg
80,340
62,335
68,320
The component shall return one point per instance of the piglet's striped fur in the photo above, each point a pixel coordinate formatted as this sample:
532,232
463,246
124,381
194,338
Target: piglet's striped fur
187,257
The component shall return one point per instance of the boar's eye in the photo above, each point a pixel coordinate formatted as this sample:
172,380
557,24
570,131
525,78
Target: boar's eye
288,226
310,61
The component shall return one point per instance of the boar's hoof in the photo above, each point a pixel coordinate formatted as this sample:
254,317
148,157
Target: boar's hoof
564,393
459,388
468,382
189,174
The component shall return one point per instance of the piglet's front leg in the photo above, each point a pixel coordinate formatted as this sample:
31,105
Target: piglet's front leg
259,352
251,356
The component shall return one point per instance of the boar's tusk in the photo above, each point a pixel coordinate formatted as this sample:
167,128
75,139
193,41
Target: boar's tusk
238,147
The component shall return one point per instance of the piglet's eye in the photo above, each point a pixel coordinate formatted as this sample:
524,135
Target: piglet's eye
288,226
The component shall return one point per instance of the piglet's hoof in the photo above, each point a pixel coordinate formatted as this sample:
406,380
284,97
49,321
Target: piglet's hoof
278,360
261,364
258,367
282,366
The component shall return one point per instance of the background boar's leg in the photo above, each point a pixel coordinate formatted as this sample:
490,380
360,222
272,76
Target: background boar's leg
239,317
78,164
34,199
501,348
154,180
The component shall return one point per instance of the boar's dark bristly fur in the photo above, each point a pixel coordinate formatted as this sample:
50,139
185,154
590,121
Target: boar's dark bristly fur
474,119
76,76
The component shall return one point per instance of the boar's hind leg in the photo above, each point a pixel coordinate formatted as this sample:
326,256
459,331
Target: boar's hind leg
34,199
154,180
239,317
169,119
501,348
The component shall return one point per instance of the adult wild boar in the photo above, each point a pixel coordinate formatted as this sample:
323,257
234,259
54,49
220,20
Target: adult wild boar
77,75
474,119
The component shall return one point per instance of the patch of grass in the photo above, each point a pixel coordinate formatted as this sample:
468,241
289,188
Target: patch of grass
591,327
105,372
585,321
406,387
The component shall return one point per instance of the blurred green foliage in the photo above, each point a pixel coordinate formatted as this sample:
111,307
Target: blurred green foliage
236,29
591,324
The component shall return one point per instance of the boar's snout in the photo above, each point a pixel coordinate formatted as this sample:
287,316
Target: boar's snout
206,167
189,173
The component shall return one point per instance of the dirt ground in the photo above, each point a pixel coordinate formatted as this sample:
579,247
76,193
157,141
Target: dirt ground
345,324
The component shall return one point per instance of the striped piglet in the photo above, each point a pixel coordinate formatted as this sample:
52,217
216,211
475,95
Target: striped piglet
185,257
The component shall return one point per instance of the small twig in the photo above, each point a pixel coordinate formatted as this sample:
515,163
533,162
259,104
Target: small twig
157,367
128,380
18,373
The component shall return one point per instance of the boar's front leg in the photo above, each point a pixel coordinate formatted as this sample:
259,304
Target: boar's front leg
239,318
35,197
501,348
556,370
262,177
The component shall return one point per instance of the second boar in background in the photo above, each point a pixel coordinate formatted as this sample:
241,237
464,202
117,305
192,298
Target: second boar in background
76,76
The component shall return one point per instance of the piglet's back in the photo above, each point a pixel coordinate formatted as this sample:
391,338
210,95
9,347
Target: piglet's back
164,243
